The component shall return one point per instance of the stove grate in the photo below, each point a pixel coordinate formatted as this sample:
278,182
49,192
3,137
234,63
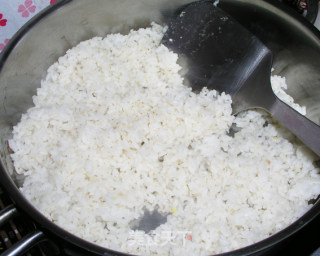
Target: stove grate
17,227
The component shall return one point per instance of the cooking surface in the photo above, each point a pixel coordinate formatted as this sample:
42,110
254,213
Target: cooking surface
13,14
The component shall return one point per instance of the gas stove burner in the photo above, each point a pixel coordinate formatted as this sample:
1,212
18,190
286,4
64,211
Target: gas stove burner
15,229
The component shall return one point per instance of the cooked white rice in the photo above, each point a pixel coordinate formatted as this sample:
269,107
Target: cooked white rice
113,130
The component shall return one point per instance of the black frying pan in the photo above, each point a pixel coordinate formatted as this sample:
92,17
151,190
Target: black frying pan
292,39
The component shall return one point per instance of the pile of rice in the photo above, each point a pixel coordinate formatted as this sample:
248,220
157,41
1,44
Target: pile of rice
113,131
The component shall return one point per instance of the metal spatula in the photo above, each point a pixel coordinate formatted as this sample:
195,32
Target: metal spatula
220,54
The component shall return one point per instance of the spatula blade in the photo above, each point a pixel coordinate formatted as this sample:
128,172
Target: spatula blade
219,52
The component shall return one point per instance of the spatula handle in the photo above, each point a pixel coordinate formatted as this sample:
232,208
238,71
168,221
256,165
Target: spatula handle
307,131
